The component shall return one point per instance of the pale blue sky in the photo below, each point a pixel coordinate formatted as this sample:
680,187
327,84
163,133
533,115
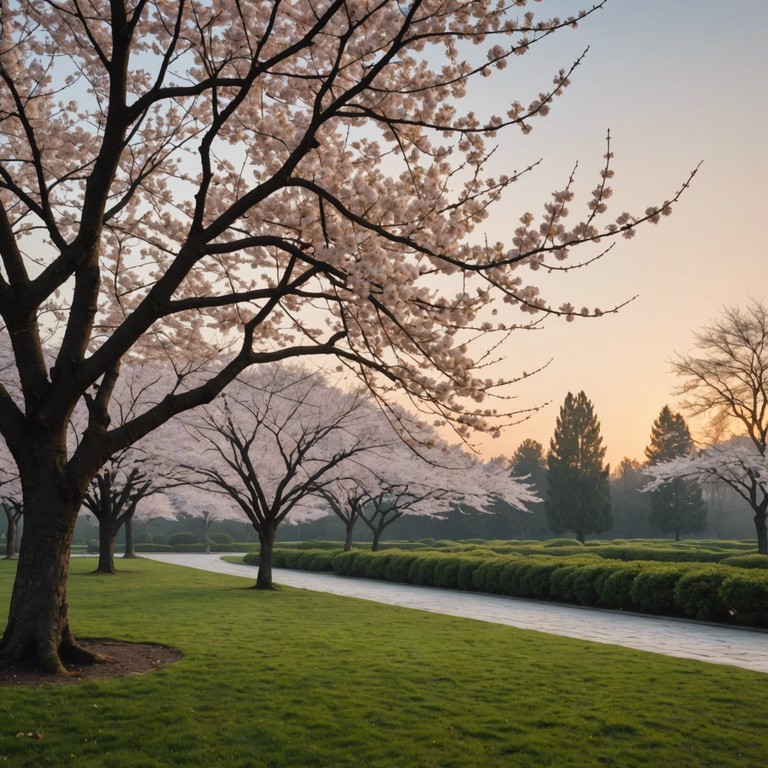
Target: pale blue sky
677,83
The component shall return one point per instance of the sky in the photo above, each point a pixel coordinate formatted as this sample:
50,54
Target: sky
677,84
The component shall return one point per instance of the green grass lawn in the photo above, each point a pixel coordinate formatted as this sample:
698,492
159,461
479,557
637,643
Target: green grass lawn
297,678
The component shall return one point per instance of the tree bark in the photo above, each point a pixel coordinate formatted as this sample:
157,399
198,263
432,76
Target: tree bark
376,539
130,547
106,545
266,553
38,619
762,532
348,535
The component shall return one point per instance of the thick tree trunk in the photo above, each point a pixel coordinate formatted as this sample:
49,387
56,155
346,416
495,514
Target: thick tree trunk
38,619
267,542
106,546
130,546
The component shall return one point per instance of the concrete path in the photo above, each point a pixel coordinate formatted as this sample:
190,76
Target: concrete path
672,637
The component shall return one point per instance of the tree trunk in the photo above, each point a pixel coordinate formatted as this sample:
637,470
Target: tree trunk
267,542
348,535
762,532
130,547
38,619
10,539
376,539
677,535
106,545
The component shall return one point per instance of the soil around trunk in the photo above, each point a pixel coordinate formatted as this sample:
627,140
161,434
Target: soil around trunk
123,659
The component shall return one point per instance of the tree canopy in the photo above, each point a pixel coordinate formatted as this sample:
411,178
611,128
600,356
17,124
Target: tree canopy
223,185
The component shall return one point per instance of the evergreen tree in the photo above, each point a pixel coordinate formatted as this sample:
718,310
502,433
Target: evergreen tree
528,461
677,506
630,505
578,497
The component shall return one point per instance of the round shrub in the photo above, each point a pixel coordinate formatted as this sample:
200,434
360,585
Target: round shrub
93,546
252,558
745,596
422,571
221,538
143,538
554,543
486,577
615,588
587,582
398,566
182,537
653,590
159,538
697,595
445,572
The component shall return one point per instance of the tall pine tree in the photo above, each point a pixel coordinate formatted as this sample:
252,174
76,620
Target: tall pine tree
677,507
578,498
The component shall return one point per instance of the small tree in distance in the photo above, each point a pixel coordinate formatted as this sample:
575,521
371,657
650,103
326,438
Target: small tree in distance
529,463
726,380
677,506
578,495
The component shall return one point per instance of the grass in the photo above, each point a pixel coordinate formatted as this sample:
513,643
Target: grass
296,679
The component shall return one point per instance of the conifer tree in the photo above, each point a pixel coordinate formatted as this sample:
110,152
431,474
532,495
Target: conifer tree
528,461
677,506
578,498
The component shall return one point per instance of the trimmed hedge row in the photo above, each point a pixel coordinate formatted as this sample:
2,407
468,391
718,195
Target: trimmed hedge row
705,592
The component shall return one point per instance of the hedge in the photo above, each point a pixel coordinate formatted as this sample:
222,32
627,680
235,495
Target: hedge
695,590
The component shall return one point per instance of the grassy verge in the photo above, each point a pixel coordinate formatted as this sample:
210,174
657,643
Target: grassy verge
294,679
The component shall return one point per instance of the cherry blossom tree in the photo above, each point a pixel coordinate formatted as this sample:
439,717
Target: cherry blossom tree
726,380
272,441
267,180
383,484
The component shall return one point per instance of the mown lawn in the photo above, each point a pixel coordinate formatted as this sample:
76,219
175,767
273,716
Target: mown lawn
296,678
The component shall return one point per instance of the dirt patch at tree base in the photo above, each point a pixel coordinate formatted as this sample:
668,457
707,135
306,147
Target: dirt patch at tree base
123,659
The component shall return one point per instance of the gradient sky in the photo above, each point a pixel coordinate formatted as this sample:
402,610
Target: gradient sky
677,83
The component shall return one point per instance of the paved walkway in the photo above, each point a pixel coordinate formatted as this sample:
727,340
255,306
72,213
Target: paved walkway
685,639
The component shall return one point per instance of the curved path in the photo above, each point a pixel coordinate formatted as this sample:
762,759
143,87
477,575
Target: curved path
673,637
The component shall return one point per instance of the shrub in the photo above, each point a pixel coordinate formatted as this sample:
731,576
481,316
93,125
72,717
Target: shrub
182,537
344,563
398,565
159,538
188,548
745,596
252,558
554,543
560,583
487,576
154,548
422,570
221,538
143,538
653,589
746,561
615,588
93,546
697,595
587,582
445,572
